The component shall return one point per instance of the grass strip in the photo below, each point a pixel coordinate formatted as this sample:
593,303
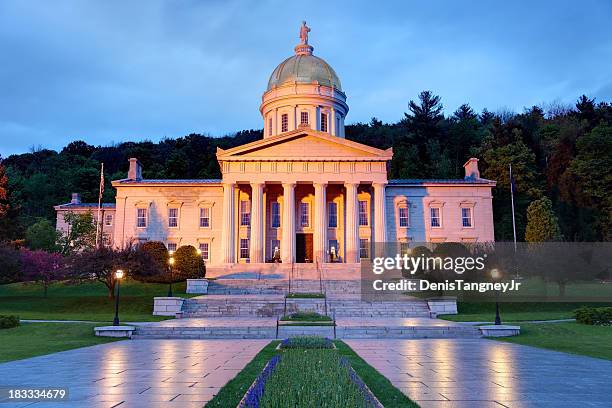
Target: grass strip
570,337
386,392
231,394
312,378
36,339
515,312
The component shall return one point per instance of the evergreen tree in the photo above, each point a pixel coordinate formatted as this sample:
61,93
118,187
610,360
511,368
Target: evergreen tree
542,224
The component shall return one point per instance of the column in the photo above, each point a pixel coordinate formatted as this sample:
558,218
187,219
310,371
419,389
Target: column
352,224
256,244
320,225
380,231
227,234
288,224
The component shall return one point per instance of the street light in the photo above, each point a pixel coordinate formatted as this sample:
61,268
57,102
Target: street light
171,264
118,277
496,275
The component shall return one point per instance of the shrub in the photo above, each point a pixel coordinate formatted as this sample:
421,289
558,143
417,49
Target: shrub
188,263
306,317
10,265
8,322
158,271
599,316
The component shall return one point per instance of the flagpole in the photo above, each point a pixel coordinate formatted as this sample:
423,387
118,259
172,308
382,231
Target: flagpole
513,218
98,224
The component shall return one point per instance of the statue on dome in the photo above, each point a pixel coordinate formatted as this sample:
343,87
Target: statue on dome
304,30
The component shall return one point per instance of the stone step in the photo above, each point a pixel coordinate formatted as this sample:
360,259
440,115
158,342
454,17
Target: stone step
342,332
281,286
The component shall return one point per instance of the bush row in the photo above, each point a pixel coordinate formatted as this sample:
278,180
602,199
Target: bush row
599,316
7,322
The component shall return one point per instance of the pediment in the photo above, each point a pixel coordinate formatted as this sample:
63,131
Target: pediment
304,145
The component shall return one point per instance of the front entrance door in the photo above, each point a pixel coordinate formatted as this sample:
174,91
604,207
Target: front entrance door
303,248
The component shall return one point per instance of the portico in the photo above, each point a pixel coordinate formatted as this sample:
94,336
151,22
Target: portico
289,183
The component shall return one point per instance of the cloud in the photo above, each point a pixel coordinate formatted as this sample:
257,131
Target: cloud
114,70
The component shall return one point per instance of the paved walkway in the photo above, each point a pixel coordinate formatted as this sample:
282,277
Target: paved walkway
144,373
444,373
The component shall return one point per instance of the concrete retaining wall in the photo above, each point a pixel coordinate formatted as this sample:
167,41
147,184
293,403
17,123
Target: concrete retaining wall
167,306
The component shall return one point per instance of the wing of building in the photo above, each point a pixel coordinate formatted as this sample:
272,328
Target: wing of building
303,193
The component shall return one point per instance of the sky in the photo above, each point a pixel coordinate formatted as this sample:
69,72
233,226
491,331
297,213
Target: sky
112,71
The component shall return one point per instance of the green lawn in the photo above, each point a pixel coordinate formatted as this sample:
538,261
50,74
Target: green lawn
514,312
85,301
570,337
231,394
35,339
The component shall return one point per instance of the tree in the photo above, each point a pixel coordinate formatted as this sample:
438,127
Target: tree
591,170
42,267
188,263
101,263
542,224
4,200
42,235
158,253
10,265
80,233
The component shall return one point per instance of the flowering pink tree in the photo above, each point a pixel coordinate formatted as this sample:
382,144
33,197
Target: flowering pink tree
42,267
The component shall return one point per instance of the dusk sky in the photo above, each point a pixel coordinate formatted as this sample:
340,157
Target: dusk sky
113,71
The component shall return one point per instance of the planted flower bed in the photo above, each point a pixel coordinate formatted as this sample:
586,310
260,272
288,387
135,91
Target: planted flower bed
308,373
306,342
306,317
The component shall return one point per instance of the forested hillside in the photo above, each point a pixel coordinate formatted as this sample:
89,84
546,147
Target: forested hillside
560,152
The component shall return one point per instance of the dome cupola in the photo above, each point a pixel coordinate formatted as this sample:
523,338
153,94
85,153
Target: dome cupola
304,91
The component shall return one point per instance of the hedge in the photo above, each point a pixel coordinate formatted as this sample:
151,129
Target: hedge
7,322
599,316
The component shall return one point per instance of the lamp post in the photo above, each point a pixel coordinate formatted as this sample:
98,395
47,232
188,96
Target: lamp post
118,277
170,265
496,275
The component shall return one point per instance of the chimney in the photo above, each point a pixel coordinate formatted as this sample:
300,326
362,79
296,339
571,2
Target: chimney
135,171
471,169
76,198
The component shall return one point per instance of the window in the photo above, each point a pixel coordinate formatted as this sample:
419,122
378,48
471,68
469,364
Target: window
284,122
171,246
244,248
404,248
303,118
364,248
434,213
172,217
332,215
205,250
324,122
204,217
141,218
403,217
304,215
363,213
269,126
466,217
245,213
108,220
275,214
